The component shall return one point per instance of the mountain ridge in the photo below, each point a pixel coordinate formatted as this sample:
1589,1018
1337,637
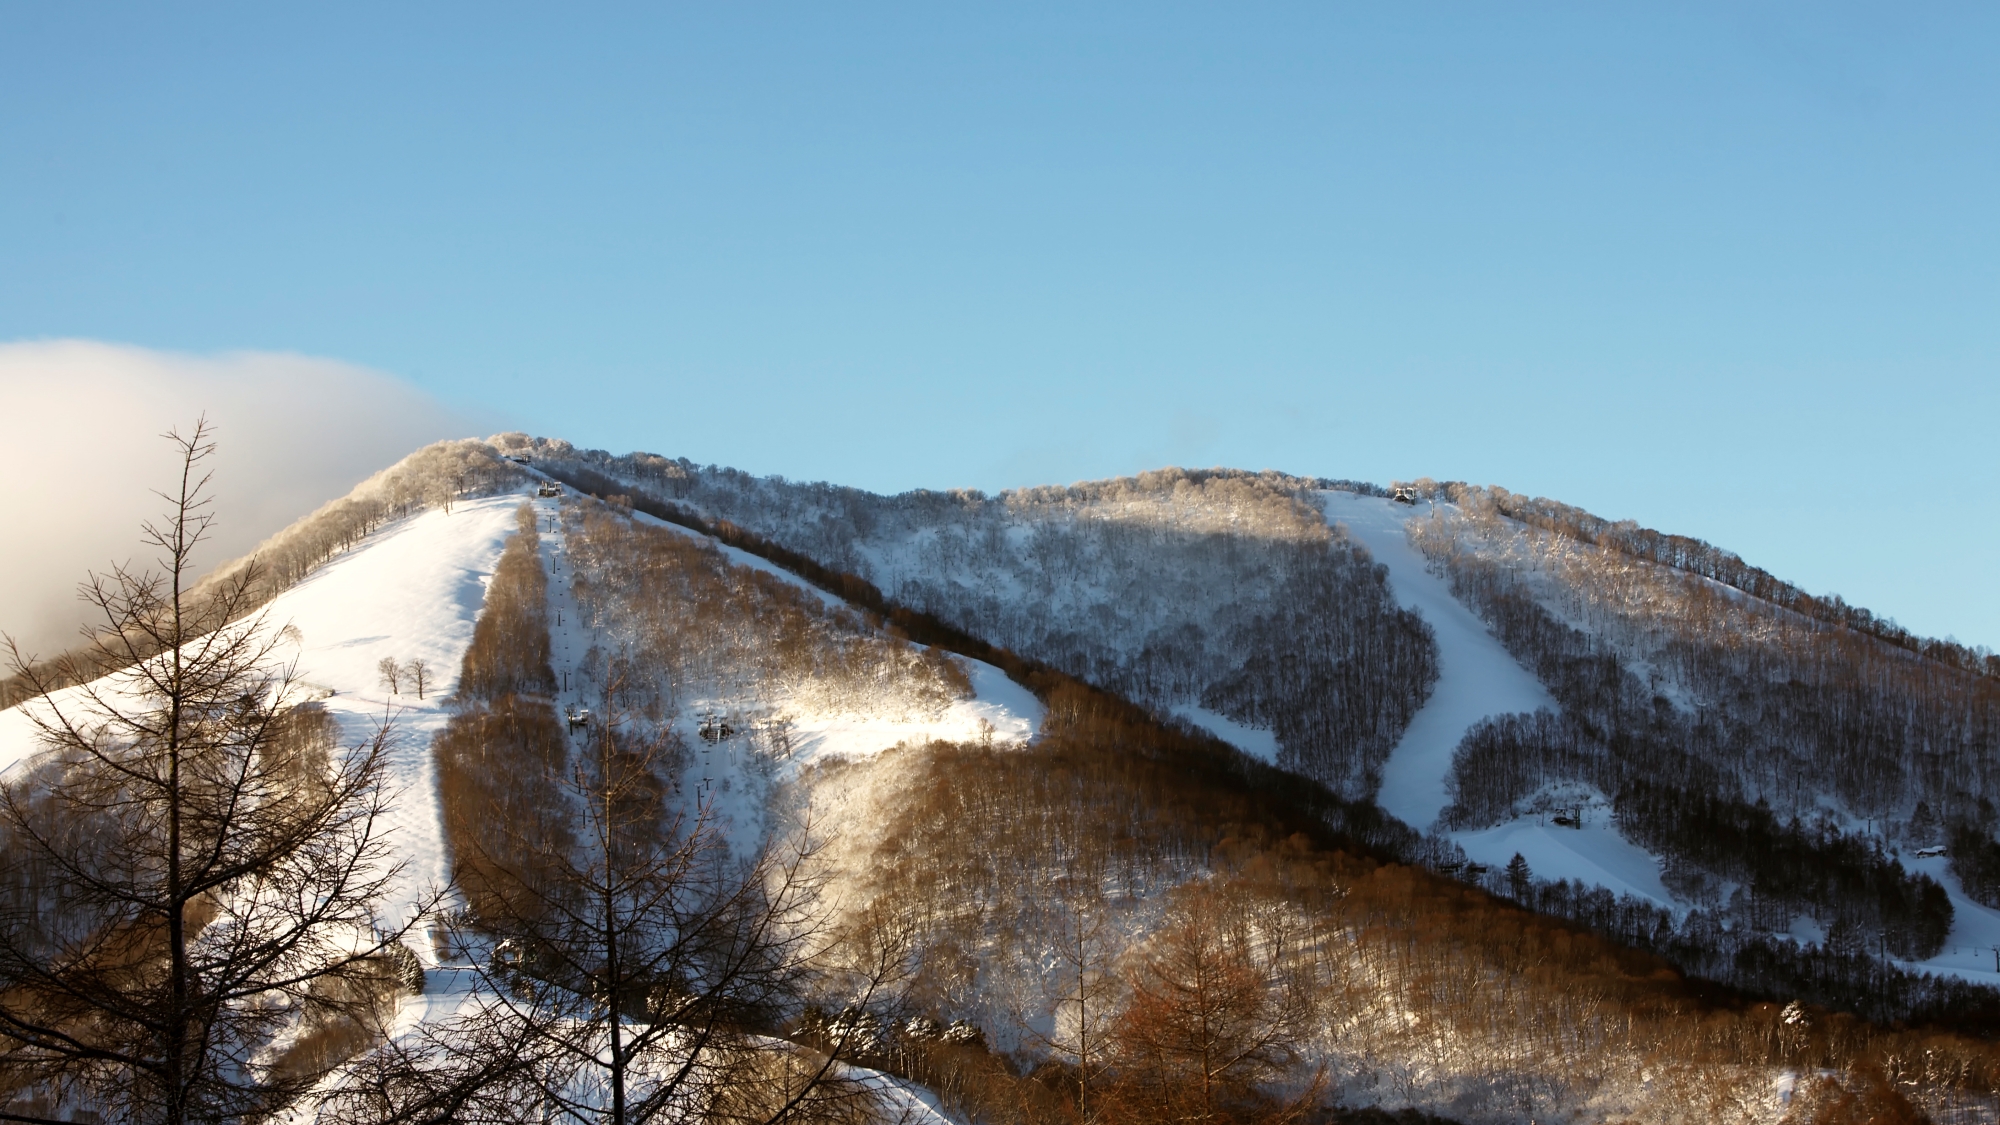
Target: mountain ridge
1185,810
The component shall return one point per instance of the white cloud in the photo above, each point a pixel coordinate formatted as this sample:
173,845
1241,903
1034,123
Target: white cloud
80,422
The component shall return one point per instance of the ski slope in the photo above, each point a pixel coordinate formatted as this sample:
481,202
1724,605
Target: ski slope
1479,678
1476,676
1592,853
410,591
1259,744
413,590
1972,950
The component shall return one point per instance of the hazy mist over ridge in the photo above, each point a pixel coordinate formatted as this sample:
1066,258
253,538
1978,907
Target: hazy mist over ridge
82,421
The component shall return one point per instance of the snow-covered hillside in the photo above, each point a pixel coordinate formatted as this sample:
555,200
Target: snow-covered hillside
410,592
1215,592
735,778
1009,856
413,590
1476,676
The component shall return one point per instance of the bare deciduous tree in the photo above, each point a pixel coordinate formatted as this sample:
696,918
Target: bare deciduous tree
390,674
190,867
1083,990
630,967
418,673
648,958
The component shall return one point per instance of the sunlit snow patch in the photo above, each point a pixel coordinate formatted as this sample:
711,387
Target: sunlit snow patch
1010,712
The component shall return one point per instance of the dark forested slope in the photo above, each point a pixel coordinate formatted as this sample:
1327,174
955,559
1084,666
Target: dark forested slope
1222,590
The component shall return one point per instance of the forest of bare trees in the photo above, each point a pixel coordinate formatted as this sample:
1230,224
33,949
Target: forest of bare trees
1219,589
1333,975
504,742
684,623
1749,744
635,965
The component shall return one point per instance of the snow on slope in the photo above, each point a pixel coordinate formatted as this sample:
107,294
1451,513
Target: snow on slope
17,733
1259,744
1593,853
1012,710
1972,951
727,776
1476,677
410,591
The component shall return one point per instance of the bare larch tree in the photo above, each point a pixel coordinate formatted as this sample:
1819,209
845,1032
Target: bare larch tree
635,971
189,867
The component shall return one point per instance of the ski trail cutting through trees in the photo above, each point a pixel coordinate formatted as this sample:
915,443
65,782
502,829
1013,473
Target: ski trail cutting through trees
1476,676
408,594
412,593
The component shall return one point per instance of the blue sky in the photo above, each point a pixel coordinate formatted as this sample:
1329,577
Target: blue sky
1730,270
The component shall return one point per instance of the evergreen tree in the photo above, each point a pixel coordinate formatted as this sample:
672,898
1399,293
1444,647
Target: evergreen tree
1519,878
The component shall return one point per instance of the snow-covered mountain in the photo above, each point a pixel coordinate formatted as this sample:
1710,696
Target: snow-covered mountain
1422,769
